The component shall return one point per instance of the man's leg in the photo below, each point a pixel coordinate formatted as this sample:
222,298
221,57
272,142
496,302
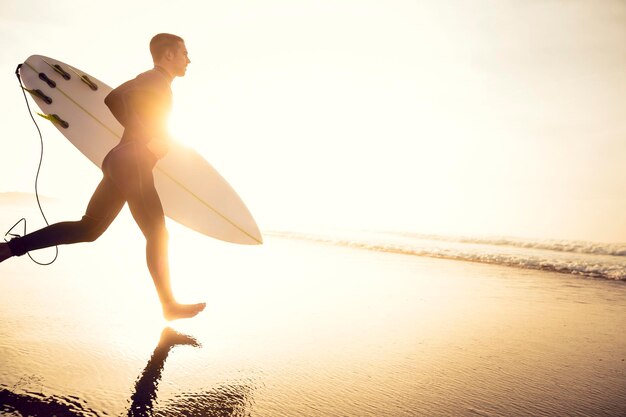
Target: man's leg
146,208
104,206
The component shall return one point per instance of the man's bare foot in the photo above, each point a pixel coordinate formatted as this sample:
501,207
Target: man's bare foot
174,311
5,252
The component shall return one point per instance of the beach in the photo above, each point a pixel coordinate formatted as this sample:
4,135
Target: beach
439,186
305,328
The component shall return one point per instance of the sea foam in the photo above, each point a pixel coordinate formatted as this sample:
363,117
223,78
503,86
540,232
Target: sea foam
587,259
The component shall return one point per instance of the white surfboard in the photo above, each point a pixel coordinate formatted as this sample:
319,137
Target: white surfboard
192,192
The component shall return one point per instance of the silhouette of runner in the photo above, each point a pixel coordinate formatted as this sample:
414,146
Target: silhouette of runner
141,105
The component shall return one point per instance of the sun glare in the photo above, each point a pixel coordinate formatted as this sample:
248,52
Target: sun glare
180,126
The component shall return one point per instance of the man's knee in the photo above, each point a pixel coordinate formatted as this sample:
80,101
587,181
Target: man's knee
92,228
160,232
157,232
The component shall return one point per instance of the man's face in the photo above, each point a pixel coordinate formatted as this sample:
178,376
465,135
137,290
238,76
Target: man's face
180,60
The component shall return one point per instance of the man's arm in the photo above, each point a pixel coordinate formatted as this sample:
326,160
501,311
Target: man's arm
117,101
143,105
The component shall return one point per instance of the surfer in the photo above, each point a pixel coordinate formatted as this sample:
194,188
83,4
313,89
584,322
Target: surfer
141,105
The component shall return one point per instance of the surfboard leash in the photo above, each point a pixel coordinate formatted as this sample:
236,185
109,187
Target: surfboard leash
9,233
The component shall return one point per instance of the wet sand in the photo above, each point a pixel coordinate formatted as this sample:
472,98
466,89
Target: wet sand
298,328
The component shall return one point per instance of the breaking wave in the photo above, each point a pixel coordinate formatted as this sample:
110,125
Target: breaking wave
587,259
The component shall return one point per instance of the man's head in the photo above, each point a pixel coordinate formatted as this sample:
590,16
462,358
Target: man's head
169,52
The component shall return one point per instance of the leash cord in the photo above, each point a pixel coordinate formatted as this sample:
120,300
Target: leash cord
23,220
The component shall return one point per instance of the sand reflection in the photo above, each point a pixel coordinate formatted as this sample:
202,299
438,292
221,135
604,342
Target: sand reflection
142,401
224,400
231,400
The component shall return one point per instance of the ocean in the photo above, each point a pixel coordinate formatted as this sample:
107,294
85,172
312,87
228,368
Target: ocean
586,259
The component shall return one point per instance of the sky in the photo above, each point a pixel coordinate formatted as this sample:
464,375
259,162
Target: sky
477,117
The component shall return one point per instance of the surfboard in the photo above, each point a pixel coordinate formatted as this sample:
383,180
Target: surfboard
192,192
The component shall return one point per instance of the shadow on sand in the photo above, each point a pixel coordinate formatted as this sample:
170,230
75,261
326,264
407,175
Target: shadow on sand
223,401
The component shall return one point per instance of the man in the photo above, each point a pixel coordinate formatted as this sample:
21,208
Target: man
141,105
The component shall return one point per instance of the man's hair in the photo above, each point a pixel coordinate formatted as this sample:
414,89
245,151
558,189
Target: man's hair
160,43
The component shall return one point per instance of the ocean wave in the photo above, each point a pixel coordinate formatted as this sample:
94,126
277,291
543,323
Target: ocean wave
592,248
599,264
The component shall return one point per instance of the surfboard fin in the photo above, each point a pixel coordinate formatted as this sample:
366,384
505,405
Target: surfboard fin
66,75
90,83
86,80
54,118
39,94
